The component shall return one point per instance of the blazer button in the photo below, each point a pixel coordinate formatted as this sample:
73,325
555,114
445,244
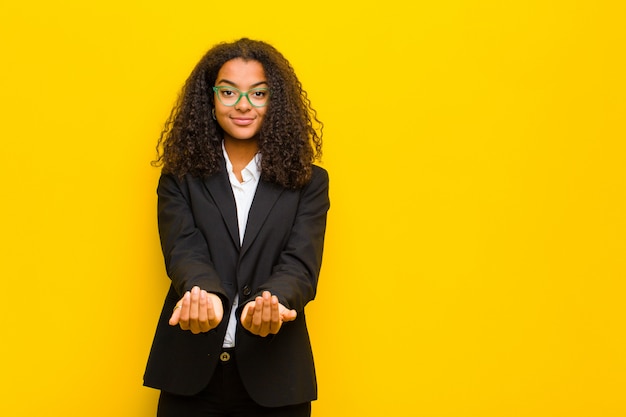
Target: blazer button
246,291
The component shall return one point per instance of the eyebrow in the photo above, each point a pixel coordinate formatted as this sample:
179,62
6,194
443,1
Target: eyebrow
225,81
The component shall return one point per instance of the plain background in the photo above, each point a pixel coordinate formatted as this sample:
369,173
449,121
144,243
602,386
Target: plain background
475,255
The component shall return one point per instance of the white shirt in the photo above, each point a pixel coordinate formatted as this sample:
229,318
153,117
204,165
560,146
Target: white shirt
244,194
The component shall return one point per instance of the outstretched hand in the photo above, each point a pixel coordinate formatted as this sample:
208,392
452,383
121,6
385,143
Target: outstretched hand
198,311
265,315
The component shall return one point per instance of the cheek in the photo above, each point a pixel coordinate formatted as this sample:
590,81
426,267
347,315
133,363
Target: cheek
221,114
220,109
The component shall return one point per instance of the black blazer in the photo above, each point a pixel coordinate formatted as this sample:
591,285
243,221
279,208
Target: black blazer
281,252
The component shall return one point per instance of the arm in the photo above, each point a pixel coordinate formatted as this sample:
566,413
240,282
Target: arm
187,260
293,281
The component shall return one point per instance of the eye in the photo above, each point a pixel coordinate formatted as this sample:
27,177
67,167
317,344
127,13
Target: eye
260,93
227,92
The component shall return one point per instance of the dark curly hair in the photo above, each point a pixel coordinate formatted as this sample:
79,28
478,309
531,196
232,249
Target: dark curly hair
290,138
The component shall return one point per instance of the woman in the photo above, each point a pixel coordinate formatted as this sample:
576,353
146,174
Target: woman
242,216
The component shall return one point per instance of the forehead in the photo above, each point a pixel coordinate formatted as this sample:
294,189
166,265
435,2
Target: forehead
241,72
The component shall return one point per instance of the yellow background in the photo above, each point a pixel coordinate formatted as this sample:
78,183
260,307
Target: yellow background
475,256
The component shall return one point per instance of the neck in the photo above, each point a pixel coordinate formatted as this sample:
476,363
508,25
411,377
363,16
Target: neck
240,153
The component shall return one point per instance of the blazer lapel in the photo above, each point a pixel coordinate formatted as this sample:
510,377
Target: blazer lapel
264,199
222,193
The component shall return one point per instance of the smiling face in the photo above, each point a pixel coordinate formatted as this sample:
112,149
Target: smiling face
243,120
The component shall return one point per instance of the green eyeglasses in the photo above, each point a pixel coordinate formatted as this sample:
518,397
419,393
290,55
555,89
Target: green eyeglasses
230,96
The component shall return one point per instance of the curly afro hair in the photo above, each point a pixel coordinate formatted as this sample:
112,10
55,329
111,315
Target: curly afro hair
290,138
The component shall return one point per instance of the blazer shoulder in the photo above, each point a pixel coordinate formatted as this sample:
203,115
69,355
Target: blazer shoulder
319,170
319,174
318,185
187,181
168,180
317,182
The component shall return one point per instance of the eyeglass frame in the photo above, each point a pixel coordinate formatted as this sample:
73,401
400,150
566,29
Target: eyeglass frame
217,89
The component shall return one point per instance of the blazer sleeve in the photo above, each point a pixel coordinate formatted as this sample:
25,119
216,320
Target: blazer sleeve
294,277
187,259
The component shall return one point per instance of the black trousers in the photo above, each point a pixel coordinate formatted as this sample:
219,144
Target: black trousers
225,396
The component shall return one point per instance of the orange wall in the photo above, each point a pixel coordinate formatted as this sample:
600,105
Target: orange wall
475,252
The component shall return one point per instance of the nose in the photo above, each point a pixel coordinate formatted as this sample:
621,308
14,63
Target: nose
244,104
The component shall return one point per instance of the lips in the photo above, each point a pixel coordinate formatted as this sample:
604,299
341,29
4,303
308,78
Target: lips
242,121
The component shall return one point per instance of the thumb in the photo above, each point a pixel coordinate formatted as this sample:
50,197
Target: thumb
288,315
175,318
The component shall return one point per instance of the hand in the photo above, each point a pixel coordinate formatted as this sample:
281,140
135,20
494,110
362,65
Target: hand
265,315
198,311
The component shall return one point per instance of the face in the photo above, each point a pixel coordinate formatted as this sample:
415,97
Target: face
243,120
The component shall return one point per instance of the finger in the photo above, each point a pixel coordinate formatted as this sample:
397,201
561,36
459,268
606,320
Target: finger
267,307
193,310
203,313
210,312
275,321
266,314
184,311
216,310
257,315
